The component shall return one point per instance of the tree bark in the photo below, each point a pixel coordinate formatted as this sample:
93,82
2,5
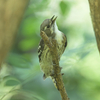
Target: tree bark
11,13
95,16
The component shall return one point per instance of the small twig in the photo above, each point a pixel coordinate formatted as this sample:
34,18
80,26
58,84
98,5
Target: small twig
52,44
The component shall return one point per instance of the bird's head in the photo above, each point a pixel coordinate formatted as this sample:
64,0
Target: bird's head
48,26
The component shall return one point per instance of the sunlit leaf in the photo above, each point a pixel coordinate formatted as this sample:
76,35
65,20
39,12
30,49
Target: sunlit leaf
63,7
28,44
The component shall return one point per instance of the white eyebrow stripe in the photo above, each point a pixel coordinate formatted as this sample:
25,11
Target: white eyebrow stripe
45,28
50,23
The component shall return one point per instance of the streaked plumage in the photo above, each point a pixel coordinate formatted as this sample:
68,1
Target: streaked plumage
50,28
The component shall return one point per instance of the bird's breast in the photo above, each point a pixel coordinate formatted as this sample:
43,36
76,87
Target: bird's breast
59,37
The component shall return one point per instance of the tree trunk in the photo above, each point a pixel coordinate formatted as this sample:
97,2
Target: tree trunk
11,13
95,15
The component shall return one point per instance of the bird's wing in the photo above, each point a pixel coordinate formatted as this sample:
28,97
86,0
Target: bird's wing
40,48
64,41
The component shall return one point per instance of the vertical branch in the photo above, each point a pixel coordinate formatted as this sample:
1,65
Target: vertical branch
95,16
52,44
57,71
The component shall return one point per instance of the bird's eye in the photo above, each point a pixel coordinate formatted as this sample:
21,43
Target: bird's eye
48,26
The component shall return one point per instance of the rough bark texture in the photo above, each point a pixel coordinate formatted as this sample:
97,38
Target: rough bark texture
57,70
11,13
95,15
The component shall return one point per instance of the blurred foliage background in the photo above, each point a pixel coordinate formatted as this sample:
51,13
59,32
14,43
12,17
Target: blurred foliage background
21,77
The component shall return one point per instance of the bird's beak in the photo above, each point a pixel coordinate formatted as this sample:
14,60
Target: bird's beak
53,19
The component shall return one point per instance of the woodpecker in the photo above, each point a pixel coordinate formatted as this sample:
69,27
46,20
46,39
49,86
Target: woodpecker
49,26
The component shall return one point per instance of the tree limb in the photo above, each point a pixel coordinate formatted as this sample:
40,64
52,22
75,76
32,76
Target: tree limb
52,44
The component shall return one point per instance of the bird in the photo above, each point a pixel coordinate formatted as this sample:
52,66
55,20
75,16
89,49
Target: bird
50,28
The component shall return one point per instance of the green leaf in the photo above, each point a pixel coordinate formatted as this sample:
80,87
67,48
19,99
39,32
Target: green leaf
11,81
17,61
30,26
63,7
28,44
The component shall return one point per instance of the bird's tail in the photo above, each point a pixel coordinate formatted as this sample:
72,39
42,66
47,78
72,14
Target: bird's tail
54,82
53,79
